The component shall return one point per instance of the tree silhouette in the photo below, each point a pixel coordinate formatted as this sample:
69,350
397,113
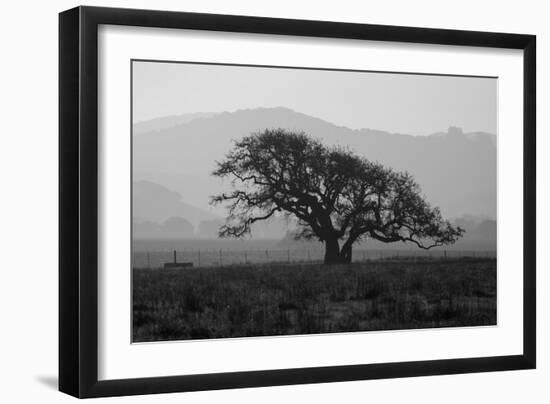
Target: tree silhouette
336,196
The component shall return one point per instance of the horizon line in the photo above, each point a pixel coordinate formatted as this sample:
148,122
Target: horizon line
301,113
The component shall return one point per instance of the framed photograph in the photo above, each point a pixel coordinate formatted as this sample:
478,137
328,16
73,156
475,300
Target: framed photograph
251,201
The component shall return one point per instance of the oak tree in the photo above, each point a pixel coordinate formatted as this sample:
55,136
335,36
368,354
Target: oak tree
336,196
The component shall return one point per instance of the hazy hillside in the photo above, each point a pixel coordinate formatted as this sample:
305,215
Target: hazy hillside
159,212
154,203
158,124
171,228
456,171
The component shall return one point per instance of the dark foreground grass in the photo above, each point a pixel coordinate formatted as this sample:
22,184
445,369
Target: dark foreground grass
250,300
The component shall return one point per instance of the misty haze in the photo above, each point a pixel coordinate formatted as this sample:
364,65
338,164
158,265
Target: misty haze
341,228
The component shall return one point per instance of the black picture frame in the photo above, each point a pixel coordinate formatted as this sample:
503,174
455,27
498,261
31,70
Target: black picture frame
78,201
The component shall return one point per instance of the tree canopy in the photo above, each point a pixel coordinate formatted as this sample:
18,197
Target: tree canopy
336,196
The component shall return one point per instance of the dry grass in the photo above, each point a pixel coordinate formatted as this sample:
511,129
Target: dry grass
278,299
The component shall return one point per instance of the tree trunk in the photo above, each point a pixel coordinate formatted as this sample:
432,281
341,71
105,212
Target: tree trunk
332,252
346,253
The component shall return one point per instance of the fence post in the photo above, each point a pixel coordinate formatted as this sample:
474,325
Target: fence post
175,258
267,255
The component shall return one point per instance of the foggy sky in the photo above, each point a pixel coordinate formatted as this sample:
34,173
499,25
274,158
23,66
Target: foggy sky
402,103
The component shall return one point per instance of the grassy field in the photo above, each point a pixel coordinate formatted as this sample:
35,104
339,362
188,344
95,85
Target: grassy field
284,299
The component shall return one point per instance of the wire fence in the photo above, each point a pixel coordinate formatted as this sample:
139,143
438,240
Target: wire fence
210,258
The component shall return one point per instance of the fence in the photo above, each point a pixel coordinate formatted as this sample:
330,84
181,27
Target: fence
208,258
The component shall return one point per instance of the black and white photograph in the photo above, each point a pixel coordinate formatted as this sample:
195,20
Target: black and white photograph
273,200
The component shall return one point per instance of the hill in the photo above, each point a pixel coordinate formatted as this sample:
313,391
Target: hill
154,203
